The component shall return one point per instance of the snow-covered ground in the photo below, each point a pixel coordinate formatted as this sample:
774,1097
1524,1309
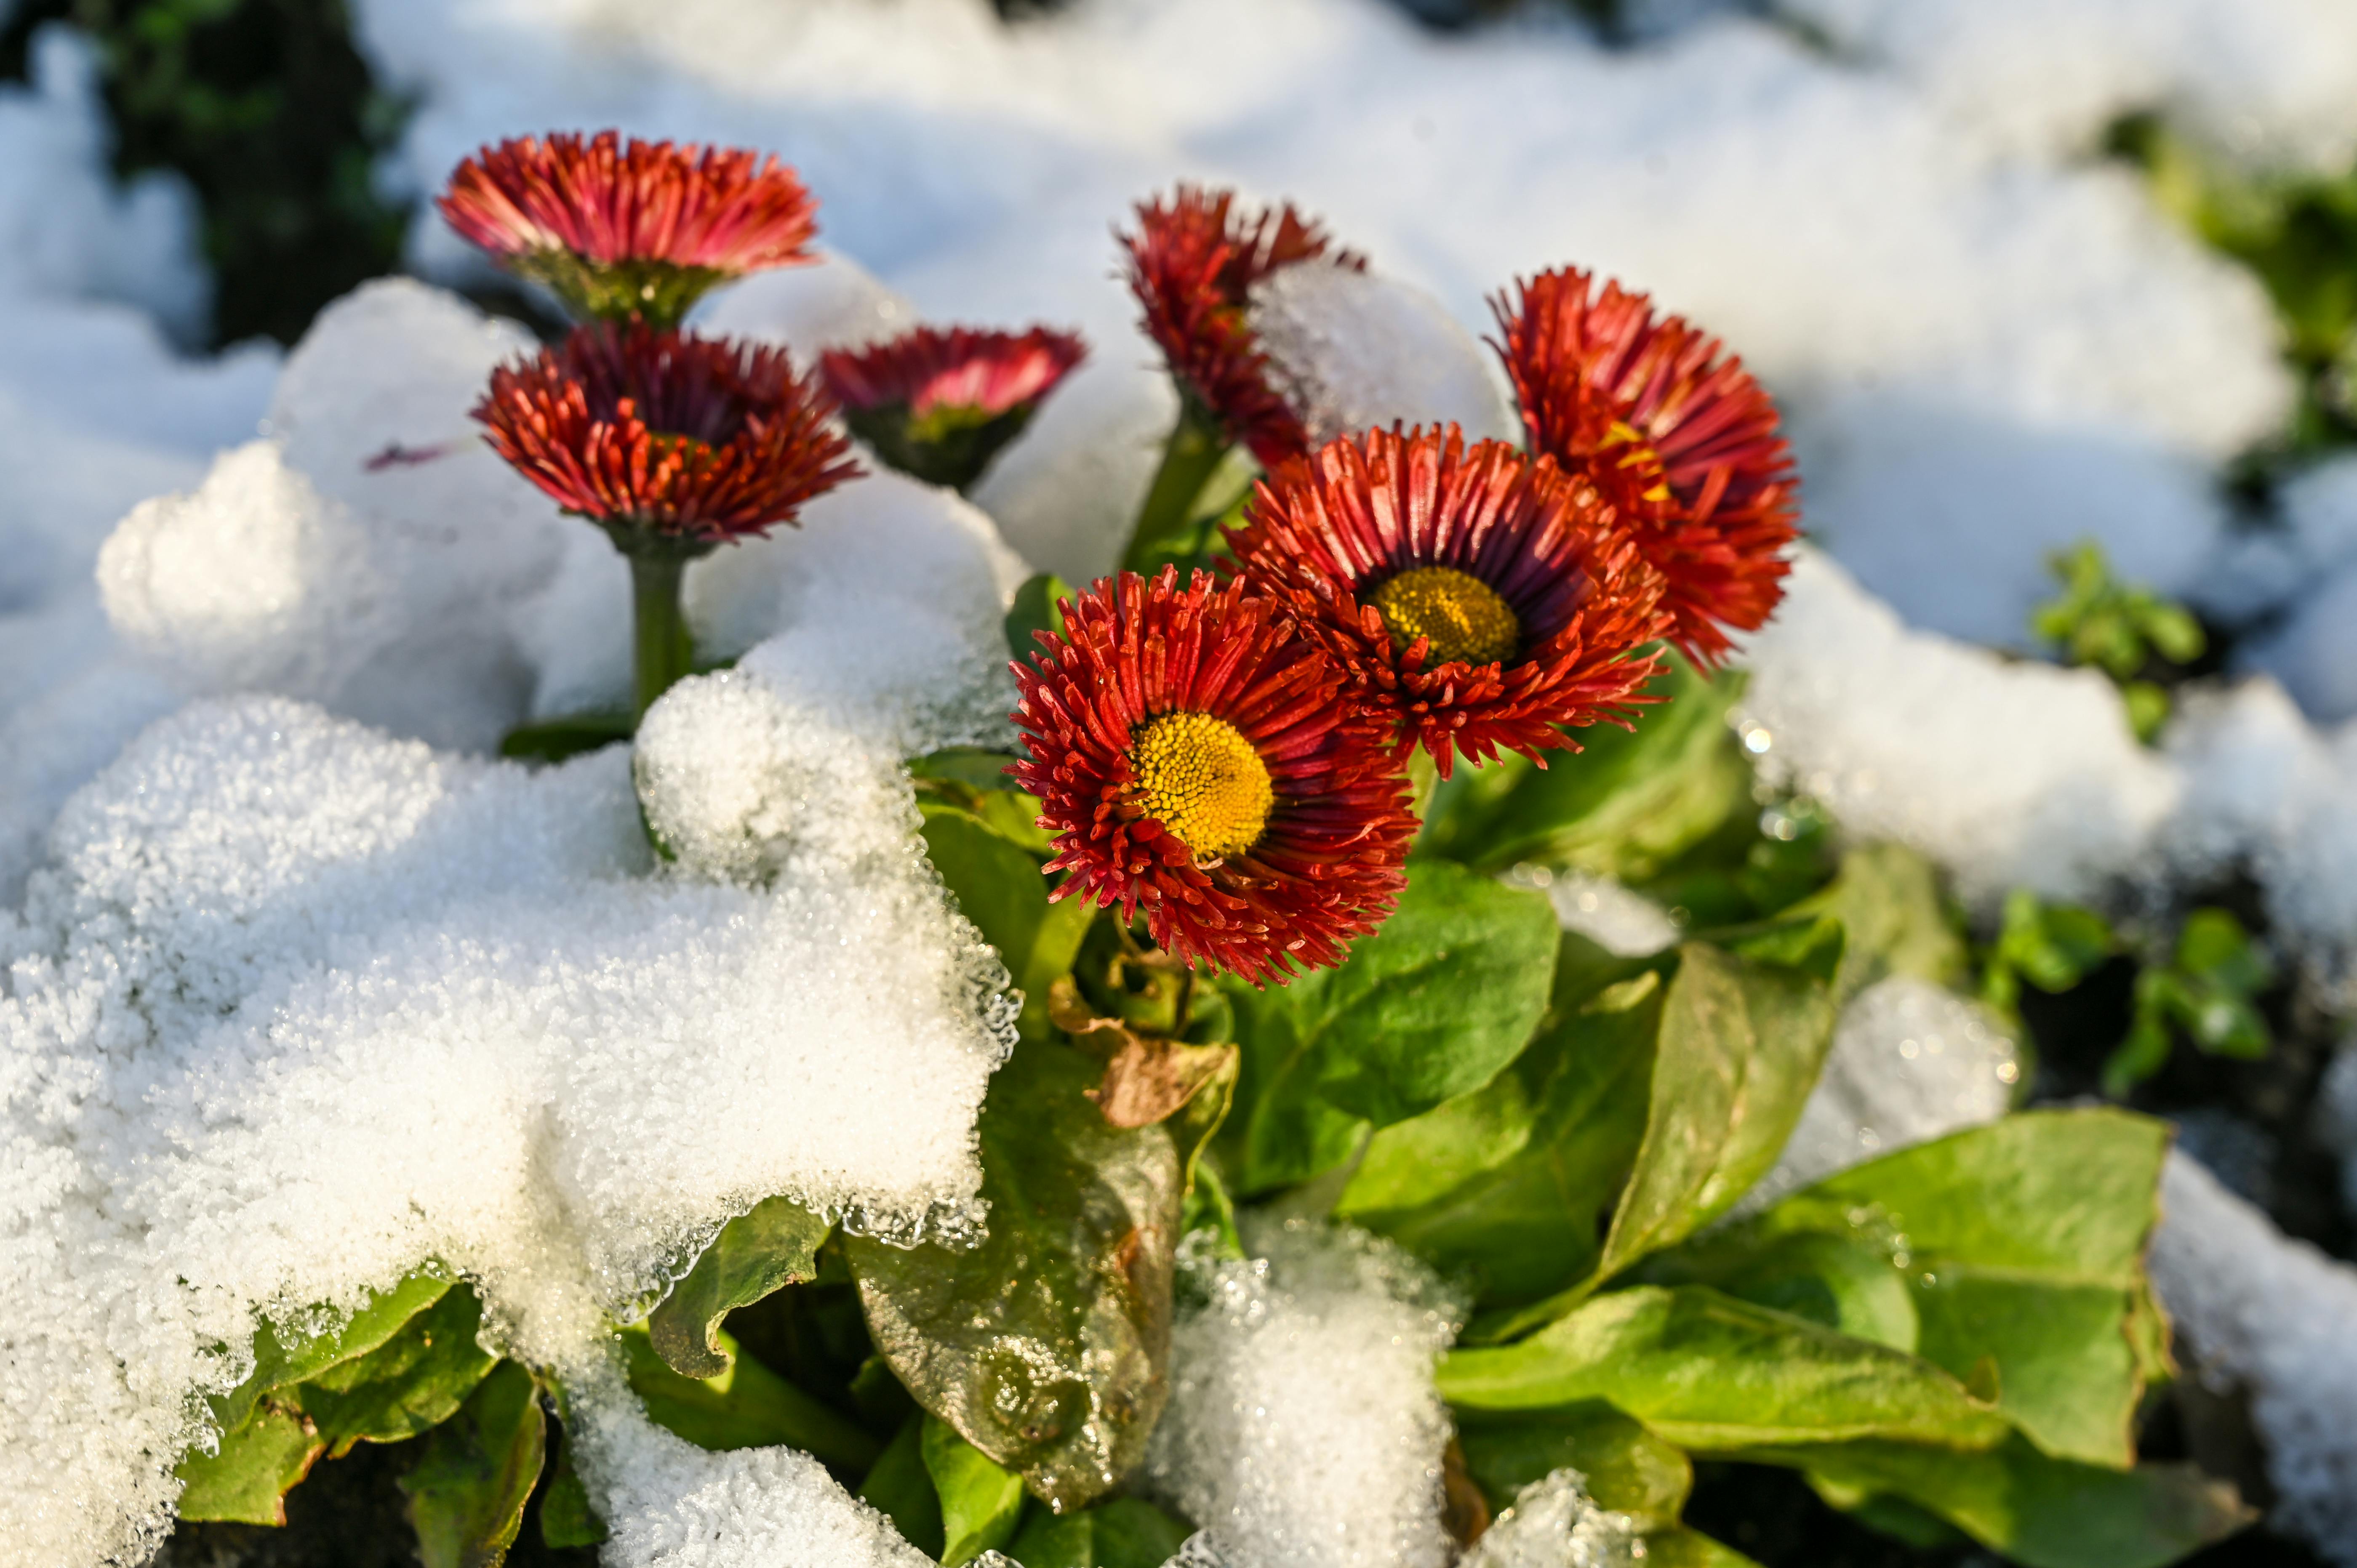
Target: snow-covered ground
1988,342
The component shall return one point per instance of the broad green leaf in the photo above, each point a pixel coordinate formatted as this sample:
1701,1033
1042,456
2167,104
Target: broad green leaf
745,1405
981,1501
2038,1511
468,1490
277,1363
1048,1346
1709,1371
1887,897
899,1487
1039,607
1740,1044
1000,889
1428,1008
1623,806
246,1480
2020,1243
410,1383
1119,1533
773,1245
1510,1184
1629,1469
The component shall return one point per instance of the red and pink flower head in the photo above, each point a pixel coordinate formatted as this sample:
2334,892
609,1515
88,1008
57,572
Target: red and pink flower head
1199,760
1193,264
669,441
939,404
1680,440
630,229
1481,600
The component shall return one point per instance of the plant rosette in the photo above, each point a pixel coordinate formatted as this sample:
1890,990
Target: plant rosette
1288,1045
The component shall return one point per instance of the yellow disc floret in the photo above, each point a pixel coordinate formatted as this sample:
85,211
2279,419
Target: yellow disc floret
1204,780
1462,615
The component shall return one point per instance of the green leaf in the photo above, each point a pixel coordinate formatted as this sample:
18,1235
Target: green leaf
1428,1008
277,1364
554,740
2038,1511
773,1246
1684,1547
468,1490
1629,1469
1624,805
1510,1184
566,1516
999,887
1048,1346
246,1480
1705,1370
1887,898
745,1405
981,1501
1039,607
412,1382
1739,1047
899,1487
1845,1282
1119,1533
2020,1243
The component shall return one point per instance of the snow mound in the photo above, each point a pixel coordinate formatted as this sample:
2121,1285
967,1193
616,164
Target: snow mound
1354,351
295,1006
2009,774
1303,1428
1553,1523
1615,918
2270,80
2277,1319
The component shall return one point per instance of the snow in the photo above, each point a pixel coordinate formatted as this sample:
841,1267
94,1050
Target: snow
1303,1428
2009,774
1355,351
1617,918
2277,1319
1910,1062
1553,1523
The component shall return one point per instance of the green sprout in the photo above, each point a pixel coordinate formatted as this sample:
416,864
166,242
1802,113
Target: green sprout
2120,628
2207,991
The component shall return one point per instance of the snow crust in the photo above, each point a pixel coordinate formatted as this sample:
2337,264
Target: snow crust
2277,1319
1553,1523
1303,1429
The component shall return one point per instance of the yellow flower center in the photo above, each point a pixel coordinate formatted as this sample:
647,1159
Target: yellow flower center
1204,780
1462,615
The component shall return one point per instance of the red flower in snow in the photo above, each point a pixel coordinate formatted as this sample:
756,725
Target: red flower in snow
1481,599
1681,441
671,442
630,229
939,404
1198,760
1193,264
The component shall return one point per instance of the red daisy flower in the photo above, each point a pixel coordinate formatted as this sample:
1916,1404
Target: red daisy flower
670,442
1197,759
1682,442
1480,598
642,227
939,404
1193,264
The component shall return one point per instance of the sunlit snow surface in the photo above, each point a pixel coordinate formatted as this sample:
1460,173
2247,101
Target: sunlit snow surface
303,992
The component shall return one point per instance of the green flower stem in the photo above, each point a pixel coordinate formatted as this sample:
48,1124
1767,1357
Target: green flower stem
664,650
1188,462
